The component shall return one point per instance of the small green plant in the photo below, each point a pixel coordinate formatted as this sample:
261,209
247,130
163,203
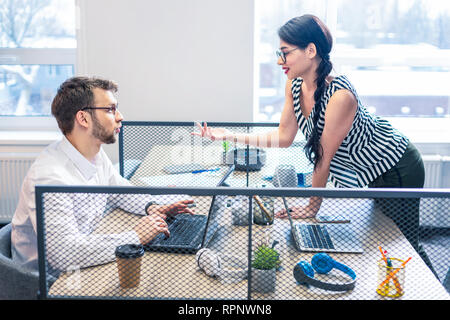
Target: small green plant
266,258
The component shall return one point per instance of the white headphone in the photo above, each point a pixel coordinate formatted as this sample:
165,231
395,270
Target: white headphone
228,269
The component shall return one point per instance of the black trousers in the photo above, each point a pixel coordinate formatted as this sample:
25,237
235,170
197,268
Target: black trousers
409,172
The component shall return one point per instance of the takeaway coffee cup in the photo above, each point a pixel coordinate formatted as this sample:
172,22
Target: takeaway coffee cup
128,258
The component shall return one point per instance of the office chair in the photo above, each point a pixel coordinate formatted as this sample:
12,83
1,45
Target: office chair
16,282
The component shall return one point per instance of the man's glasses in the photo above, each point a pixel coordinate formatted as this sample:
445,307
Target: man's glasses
111,109
283,54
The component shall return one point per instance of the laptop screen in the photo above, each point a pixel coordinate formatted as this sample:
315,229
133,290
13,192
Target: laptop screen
226,175
218,204
288,213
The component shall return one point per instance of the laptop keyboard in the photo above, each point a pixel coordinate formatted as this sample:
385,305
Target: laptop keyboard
182,231
315,236
179,228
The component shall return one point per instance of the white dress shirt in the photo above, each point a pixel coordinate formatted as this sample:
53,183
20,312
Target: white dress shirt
70,218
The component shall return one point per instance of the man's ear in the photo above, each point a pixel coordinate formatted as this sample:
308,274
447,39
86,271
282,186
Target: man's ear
82,118
311,50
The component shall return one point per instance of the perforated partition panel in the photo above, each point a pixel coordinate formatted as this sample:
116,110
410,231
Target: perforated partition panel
246,246
165,154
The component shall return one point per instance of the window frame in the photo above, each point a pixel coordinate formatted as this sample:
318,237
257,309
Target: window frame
412,126
34,56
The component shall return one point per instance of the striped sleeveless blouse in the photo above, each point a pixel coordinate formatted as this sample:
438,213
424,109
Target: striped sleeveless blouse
371,147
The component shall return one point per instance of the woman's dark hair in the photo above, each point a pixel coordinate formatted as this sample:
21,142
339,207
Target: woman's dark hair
301,31
75,94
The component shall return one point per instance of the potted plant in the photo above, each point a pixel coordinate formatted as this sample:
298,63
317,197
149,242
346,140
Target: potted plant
265,262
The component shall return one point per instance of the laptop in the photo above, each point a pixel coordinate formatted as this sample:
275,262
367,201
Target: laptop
324,237
189,233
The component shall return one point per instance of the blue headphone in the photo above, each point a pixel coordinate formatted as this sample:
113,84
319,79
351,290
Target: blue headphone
323,263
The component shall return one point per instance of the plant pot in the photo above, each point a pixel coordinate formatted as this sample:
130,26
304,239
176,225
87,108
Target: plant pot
263,281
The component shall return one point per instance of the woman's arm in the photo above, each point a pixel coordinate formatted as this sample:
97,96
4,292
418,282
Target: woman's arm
279,138
339,116
341,110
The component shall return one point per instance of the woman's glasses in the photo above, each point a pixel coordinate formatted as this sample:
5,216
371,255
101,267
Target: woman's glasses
283,54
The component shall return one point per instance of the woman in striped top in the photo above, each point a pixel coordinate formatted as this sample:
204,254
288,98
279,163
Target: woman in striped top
344,141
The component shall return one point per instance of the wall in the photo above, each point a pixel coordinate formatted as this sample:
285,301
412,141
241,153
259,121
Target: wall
174,60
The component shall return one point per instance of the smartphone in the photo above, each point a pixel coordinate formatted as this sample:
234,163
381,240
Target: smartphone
332,219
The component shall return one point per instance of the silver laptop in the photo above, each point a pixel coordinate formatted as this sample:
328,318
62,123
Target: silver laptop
324,237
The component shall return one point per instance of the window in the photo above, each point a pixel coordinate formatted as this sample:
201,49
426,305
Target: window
37,53
395,52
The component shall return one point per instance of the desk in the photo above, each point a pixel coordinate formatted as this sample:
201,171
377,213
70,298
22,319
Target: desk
211,157
177,276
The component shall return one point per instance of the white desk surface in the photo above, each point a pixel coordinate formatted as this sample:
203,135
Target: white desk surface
211,157
177,276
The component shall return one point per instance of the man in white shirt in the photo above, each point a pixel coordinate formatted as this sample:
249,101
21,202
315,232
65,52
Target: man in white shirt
87,114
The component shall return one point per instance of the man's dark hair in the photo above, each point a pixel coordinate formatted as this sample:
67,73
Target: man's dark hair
75,94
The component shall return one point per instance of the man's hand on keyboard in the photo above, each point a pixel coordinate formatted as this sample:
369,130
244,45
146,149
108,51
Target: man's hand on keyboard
149,227
171,210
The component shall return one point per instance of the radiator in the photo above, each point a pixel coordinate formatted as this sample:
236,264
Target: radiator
13,168
434,165
437,175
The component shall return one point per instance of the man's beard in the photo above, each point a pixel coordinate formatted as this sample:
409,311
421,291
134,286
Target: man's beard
99,132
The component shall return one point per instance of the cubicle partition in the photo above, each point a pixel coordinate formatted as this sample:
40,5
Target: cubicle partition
149,152
162,154
247,248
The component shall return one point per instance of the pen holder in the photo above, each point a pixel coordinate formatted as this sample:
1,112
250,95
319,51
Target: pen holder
263,210
391,280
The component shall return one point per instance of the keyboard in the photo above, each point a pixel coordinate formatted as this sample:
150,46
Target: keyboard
182,231
315,236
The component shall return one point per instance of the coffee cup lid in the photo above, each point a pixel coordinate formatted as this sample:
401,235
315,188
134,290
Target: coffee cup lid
129,251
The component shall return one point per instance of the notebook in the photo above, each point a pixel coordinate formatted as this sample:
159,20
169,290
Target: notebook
189,233
324,237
